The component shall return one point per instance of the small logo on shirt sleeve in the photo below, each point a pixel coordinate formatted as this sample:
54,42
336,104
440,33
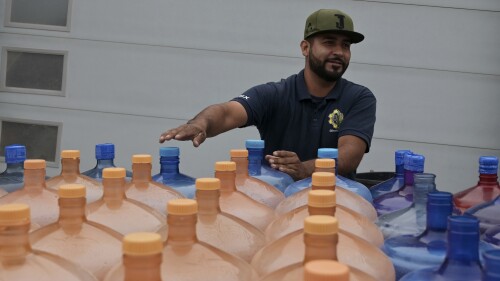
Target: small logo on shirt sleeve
244,97
335,119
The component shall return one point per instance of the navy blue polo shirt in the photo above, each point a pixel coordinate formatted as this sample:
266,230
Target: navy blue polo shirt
289,118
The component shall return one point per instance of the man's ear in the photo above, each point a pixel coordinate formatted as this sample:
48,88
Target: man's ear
304,47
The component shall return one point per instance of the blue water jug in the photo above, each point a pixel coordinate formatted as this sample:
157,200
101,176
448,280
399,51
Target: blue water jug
354,186
260,169
492,236
410,220
394,183
397,200
105,156
12,178
170,175
462,255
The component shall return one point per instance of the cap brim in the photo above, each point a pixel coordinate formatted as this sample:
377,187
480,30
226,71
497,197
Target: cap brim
354,36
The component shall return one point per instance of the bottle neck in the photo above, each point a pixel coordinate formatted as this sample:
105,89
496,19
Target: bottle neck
420,190
105,163
400,170
227,180
320,247
71,214
140,268
208,202
169,166
488,180
327,211
181,229
255,158
141,172
241,165
463,246
409,178
14,168
113,191
34,180
70,166
14,244
316,187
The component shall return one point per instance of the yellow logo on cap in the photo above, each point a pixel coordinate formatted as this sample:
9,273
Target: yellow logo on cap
335,118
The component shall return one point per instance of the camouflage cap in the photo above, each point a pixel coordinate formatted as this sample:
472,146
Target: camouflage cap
333,21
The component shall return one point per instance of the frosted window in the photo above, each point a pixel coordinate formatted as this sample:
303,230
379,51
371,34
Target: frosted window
44,12
34,70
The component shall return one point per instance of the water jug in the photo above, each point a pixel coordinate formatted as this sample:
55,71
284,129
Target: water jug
260,169
143,189
169,173
105,156
397,181
12,178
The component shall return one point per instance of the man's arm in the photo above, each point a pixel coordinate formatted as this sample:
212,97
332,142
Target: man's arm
351,151
211,121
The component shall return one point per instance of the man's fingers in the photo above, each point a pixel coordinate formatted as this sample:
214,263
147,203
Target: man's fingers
185,132
284,153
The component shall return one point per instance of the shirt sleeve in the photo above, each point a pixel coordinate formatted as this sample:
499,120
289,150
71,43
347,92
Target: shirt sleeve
258,102
360,119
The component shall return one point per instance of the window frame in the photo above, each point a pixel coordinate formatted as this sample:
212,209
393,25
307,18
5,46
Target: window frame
9,23
59,125
3,72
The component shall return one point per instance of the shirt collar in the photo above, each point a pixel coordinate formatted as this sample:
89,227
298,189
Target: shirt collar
304,94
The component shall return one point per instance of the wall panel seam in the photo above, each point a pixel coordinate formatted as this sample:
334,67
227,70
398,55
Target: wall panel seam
427,5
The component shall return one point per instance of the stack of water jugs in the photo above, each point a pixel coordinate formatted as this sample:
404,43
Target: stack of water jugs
247,222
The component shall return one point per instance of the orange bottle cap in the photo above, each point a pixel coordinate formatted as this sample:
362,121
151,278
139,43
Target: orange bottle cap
33,164
325,270
225,166
324,163
322,198
239,153
182,206
113,173
323,179
321,225
207,184
142,159
142,244
14,214
70,154
72,191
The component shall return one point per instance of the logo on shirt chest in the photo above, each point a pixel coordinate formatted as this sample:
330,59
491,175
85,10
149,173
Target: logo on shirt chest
335,119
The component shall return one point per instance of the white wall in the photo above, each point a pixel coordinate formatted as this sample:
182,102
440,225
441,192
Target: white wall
136,68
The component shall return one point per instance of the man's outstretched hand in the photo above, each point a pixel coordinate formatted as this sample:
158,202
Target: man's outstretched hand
185,132
288,162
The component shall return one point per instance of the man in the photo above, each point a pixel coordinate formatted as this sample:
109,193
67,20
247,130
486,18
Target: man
313,109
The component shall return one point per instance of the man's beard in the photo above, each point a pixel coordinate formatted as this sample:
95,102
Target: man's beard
319,68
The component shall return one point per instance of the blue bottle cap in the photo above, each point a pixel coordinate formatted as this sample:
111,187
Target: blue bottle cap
488,165
104,151
331,153
492,265
400,154
15,153
439,208
414,162
169,152
259,144
463,225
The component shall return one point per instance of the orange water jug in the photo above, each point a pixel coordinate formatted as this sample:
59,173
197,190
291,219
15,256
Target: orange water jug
143,189
118,212
322,248
42,201
238,204
351,250
345,198
326,270
19,262
186,258
323,202
142,258
70,173
222,230
256,189
92,245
